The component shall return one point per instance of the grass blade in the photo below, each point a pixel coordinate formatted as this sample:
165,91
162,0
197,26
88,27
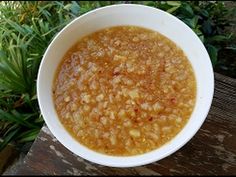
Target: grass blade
7,139
28,135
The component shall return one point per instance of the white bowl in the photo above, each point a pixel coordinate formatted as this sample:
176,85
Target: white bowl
127,14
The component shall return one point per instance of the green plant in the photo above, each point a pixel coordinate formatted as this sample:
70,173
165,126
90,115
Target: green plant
26,29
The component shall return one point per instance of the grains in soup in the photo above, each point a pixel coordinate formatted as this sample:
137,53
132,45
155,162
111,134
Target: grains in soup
124,90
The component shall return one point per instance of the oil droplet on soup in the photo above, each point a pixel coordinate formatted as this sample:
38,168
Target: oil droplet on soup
124,90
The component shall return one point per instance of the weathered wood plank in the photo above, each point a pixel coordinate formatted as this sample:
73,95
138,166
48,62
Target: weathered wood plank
212,151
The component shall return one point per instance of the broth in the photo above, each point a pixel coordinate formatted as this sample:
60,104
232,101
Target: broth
124,90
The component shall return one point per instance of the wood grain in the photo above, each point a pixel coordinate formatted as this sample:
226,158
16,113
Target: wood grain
212,151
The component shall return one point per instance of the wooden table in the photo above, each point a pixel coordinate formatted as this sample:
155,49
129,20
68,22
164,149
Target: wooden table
212,151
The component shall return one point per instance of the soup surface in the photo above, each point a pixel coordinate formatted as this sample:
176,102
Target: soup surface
124,90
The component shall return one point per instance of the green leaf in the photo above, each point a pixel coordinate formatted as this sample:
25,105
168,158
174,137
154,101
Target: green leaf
16,26
8,138
173,9
39,119
28,135
207,27
2,55
173,3
219,38
231,47
150,3
202,38
34,97
213,52
200,34
192,23
10,76
67,7
12,127
163,6
17,118
197,31
186,10
54,29
204,13
75,8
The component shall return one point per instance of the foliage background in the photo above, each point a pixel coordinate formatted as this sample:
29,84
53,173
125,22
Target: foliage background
26,29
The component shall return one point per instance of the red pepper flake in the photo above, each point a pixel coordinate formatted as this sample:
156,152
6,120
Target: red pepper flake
136,110
173,100
150,119
116,73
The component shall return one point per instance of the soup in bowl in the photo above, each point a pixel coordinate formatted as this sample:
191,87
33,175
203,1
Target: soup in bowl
124,91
